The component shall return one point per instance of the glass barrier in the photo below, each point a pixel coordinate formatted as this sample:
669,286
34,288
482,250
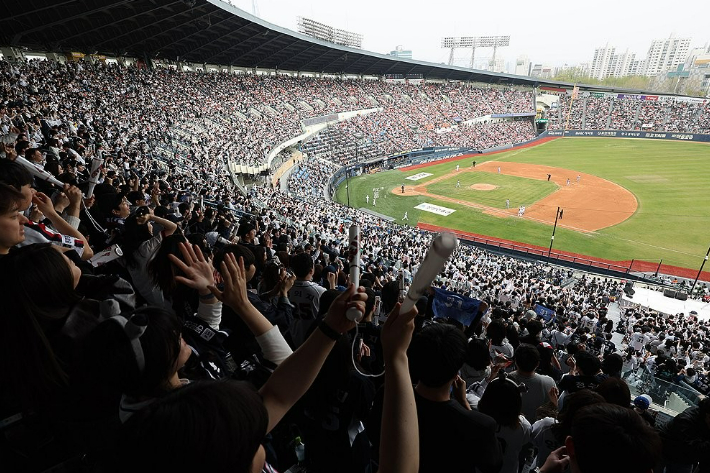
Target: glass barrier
672,396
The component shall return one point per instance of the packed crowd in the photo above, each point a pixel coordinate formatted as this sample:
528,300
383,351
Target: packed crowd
311,176
613,113
671,347
242,117
349,142
624,115
168,322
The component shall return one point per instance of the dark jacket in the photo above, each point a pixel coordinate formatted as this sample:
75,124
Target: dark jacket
686,438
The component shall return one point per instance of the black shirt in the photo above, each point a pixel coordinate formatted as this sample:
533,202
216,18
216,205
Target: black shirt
452,438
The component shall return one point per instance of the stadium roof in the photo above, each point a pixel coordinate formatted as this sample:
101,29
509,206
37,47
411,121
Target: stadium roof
206,31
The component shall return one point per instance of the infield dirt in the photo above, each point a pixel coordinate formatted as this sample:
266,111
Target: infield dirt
605,203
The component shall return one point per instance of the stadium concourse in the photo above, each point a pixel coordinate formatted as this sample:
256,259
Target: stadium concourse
168,278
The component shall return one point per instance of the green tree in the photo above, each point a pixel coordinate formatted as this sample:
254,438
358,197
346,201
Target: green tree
576,75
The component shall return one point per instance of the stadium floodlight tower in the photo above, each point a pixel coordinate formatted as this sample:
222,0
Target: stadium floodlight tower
473,42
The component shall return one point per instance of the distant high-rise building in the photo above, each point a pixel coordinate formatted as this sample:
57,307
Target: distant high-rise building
666,55
495,64
602,64
401,53
607,63
697,54
522,66
543,71
621,64
324,32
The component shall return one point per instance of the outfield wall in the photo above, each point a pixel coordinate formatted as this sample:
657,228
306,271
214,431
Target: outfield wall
653,135
588,263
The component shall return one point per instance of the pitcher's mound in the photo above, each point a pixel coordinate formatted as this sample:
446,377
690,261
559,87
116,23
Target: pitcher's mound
483,187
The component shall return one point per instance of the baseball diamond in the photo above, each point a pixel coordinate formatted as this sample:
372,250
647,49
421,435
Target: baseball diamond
626,198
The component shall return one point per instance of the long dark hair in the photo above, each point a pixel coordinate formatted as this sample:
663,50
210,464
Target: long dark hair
111,358
214,426
133,235
38,293
161,269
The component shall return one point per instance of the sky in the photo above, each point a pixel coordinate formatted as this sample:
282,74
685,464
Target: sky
553,34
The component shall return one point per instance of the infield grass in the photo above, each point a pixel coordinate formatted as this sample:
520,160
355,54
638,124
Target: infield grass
671,181
519,190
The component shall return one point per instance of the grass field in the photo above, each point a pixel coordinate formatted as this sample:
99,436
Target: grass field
669,179
519,190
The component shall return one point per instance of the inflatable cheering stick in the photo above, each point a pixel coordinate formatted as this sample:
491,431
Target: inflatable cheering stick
354,260
441,249
94,174
38,172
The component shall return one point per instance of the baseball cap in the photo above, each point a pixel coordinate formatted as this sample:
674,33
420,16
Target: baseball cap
643,401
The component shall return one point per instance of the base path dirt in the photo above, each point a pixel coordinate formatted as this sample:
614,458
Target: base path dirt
589,203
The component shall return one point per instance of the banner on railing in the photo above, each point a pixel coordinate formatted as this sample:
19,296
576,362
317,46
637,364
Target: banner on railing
654,135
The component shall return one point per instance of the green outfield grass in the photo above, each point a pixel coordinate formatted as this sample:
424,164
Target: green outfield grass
669,179
519,190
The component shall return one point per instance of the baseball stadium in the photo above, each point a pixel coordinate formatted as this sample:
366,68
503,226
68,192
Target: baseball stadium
226,245
618,198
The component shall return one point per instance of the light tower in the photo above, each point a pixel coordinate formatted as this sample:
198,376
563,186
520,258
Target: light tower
473,42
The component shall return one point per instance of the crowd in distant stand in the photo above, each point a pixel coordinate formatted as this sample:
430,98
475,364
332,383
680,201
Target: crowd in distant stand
152,360
628,113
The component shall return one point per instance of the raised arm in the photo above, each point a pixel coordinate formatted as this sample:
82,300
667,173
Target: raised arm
45,205
296,374
168,226
399,442
235,295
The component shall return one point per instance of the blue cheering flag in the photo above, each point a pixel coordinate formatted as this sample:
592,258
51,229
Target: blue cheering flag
544,312
455,306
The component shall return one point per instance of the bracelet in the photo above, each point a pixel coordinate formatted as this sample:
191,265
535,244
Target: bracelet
328,331
206,297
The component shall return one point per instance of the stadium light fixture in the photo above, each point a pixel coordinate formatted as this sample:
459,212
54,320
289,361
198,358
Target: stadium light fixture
558,215
705,260
473,42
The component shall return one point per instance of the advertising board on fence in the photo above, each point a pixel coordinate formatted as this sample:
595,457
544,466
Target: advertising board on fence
435,209
654,135
418,176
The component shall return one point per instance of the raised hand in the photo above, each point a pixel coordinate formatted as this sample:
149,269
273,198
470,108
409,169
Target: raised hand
332,278
460,391
351,297
235,283
286,283
197,270
73,193
557,461
554,395
397,332
44,204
